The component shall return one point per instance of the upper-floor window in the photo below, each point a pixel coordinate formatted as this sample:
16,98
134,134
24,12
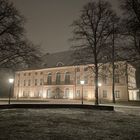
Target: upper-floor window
35,82
86,69
77,69
67,78
41,73
78,79
29,73
24,82
105,80
86,79
35,73
29,82
41,81
24,74
117,79
58,78
49,79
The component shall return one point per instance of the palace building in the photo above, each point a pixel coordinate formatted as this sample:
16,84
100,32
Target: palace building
60,79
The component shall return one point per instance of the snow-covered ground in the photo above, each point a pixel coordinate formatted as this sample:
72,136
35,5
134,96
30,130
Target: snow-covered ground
69,124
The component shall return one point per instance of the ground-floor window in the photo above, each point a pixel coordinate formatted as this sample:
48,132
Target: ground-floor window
66,93
117,94
48,93
85,93
78,93
104,93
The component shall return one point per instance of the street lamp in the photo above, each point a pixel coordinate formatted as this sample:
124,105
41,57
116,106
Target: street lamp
11,80
82,82
99,85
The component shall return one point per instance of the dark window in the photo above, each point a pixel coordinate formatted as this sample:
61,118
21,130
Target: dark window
117,80
104,93
58,78
49,79
35,82
67,78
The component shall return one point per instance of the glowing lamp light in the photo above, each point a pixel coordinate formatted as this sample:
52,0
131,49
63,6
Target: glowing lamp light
99,84
82,82
11,80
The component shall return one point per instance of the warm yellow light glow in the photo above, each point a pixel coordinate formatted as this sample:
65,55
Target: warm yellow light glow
71,95
44,95
82,82
99,84
11,80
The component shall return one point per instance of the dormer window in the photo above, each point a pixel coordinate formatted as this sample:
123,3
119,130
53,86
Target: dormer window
60,64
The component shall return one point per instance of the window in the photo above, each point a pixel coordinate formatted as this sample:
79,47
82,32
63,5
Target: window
35,82
117,94
77,69
78,93
78,79
86,68
66,93
105,80
67,78
24,82
24,74
48,93
117,80
41,81
35,73
85,93
29,82
18,83
41,73
58,78
86,79
29,74
49,79
104,93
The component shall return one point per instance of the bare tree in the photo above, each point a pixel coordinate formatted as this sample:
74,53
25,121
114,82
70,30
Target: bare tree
14,48
131,26
92,33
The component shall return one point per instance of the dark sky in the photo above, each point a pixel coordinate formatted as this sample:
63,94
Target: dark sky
48,21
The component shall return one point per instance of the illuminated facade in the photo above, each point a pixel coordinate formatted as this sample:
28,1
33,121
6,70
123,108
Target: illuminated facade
63,82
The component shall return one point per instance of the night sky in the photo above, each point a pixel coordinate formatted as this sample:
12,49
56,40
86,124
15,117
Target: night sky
48,21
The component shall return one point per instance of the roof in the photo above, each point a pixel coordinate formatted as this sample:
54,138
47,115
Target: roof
64,58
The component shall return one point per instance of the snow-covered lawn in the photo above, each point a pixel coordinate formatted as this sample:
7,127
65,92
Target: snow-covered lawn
68,124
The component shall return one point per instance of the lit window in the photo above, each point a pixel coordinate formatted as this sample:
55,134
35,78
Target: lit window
78,93
66,93
117,94
86,79
48,93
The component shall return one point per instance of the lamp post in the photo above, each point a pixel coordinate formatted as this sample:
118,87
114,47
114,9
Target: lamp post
99,85
82,82
10,89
